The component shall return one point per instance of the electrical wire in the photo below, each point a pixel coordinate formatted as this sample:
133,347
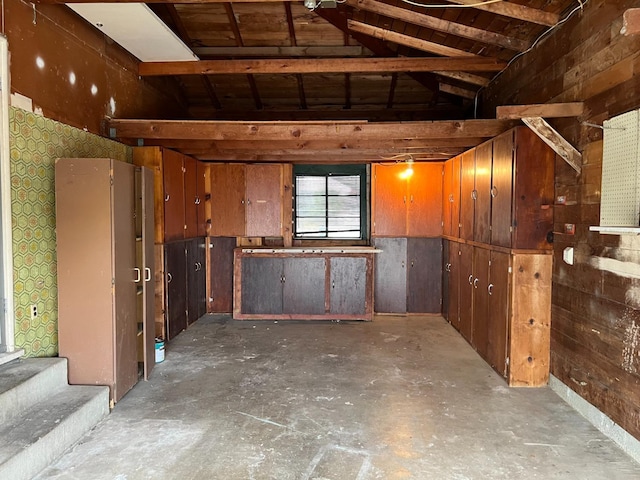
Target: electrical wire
548,31
464,5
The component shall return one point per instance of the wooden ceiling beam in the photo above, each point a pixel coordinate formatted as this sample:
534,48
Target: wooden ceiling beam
282,52
393,145
514,10
380,153
304,131
440,25
466,78
321,65
407,40
457,91
546,110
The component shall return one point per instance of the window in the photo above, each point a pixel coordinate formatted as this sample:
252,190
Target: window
329,201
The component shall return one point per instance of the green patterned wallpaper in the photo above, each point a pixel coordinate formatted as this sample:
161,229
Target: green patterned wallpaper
35,143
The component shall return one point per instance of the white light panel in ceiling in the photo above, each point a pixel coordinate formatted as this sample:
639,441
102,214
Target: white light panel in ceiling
137,29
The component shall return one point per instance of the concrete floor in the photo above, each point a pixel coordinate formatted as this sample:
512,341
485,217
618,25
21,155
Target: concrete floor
393,399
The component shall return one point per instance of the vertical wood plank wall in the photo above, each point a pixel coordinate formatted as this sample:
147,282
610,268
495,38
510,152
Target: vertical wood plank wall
595,309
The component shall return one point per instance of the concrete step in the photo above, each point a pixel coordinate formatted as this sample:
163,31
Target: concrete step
46,429
25,382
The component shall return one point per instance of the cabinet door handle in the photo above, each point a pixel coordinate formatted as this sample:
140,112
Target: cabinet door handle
137,270
494,191
447,267
411,263
166,197
475,283
248,201
490,288
470,279
333,284
404,199
474,194
147,274
451,198
169,277
283,279
411,198
403,264
197,201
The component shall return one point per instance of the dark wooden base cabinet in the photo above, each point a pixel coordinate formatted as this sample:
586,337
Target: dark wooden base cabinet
500,301
408,275
303,284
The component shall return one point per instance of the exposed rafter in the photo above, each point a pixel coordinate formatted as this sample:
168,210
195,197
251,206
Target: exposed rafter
465,77
322,65
514,10
457,91
440,25
407,40
546,110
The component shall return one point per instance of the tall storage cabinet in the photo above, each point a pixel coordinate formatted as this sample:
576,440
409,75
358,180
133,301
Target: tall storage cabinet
98,273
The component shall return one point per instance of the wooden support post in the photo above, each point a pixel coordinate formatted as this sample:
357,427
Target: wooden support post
556,141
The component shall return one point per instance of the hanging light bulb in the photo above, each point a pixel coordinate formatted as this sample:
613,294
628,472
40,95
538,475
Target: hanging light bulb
406,174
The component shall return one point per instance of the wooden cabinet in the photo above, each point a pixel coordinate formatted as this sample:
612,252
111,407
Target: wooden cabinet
482,193
504,304
277,284
220,274
451,197
203,221
407,205
99,275
467,188
408,275
247,200
176,197
522,190
452,296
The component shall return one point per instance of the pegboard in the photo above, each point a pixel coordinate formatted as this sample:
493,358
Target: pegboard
620,190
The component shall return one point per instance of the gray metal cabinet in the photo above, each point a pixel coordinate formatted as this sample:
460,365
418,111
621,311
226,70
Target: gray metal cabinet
391,275
303,285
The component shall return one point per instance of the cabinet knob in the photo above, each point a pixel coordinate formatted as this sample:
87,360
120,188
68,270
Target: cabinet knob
470,279
474,194
197,201
475,283
403,264
451,198
494,192
490,288
411,263
333,284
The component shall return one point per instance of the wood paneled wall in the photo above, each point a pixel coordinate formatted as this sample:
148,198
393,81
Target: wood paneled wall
595,338
66,44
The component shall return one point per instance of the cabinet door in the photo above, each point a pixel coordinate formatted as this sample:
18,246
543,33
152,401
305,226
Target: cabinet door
424,202
479,332
348,285
466,291
467,186
304,285
446,244
175,288
534,165
220,295
455,192
196,280
501,190
174,206
424,275
190,197
262,279
391,276
481,231
447,197
264,200
227,200
454,285
146,263
201,194
498,291
389,200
